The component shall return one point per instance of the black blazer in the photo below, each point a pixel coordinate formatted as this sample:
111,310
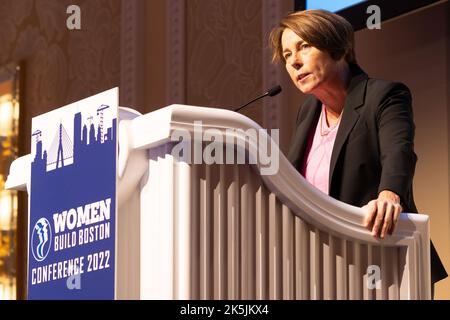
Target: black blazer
374,146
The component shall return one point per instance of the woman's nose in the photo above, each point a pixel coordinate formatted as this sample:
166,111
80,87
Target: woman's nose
296,62
297,65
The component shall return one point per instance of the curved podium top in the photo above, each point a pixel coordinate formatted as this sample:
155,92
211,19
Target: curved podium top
156,128
137,134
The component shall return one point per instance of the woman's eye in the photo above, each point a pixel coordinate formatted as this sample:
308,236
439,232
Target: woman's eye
286,56
305,45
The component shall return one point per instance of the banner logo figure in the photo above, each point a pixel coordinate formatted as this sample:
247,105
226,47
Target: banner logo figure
41,239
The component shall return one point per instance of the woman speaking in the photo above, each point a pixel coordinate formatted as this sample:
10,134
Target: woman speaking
354,135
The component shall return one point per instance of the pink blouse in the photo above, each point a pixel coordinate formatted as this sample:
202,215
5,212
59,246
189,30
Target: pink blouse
316,168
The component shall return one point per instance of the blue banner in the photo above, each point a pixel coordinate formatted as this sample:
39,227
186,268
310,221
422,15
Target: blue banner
72,216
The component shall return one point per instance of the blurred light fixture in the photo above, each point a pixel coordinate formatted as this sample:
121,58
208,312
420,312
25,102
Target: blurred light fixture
9,132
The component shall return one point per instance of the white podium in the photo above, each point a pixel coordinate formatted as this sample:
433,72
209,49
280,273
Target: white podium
225,231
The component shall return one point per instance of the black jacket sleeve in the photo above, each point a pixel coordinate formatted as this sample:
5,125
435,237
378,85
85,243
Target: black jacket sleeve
396,136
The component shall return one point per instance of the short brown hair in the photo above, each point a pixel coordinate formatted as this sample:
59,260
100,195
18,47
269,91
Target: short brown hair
322,29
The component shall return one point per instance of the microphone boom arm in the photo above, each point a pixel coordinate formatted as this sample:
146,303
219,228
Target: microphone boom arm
261,96
271,92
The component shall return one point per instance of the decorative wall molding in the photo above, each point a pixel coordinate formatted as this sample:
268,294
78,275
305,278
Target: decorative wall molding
126,47
176,49
271,15
132,51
